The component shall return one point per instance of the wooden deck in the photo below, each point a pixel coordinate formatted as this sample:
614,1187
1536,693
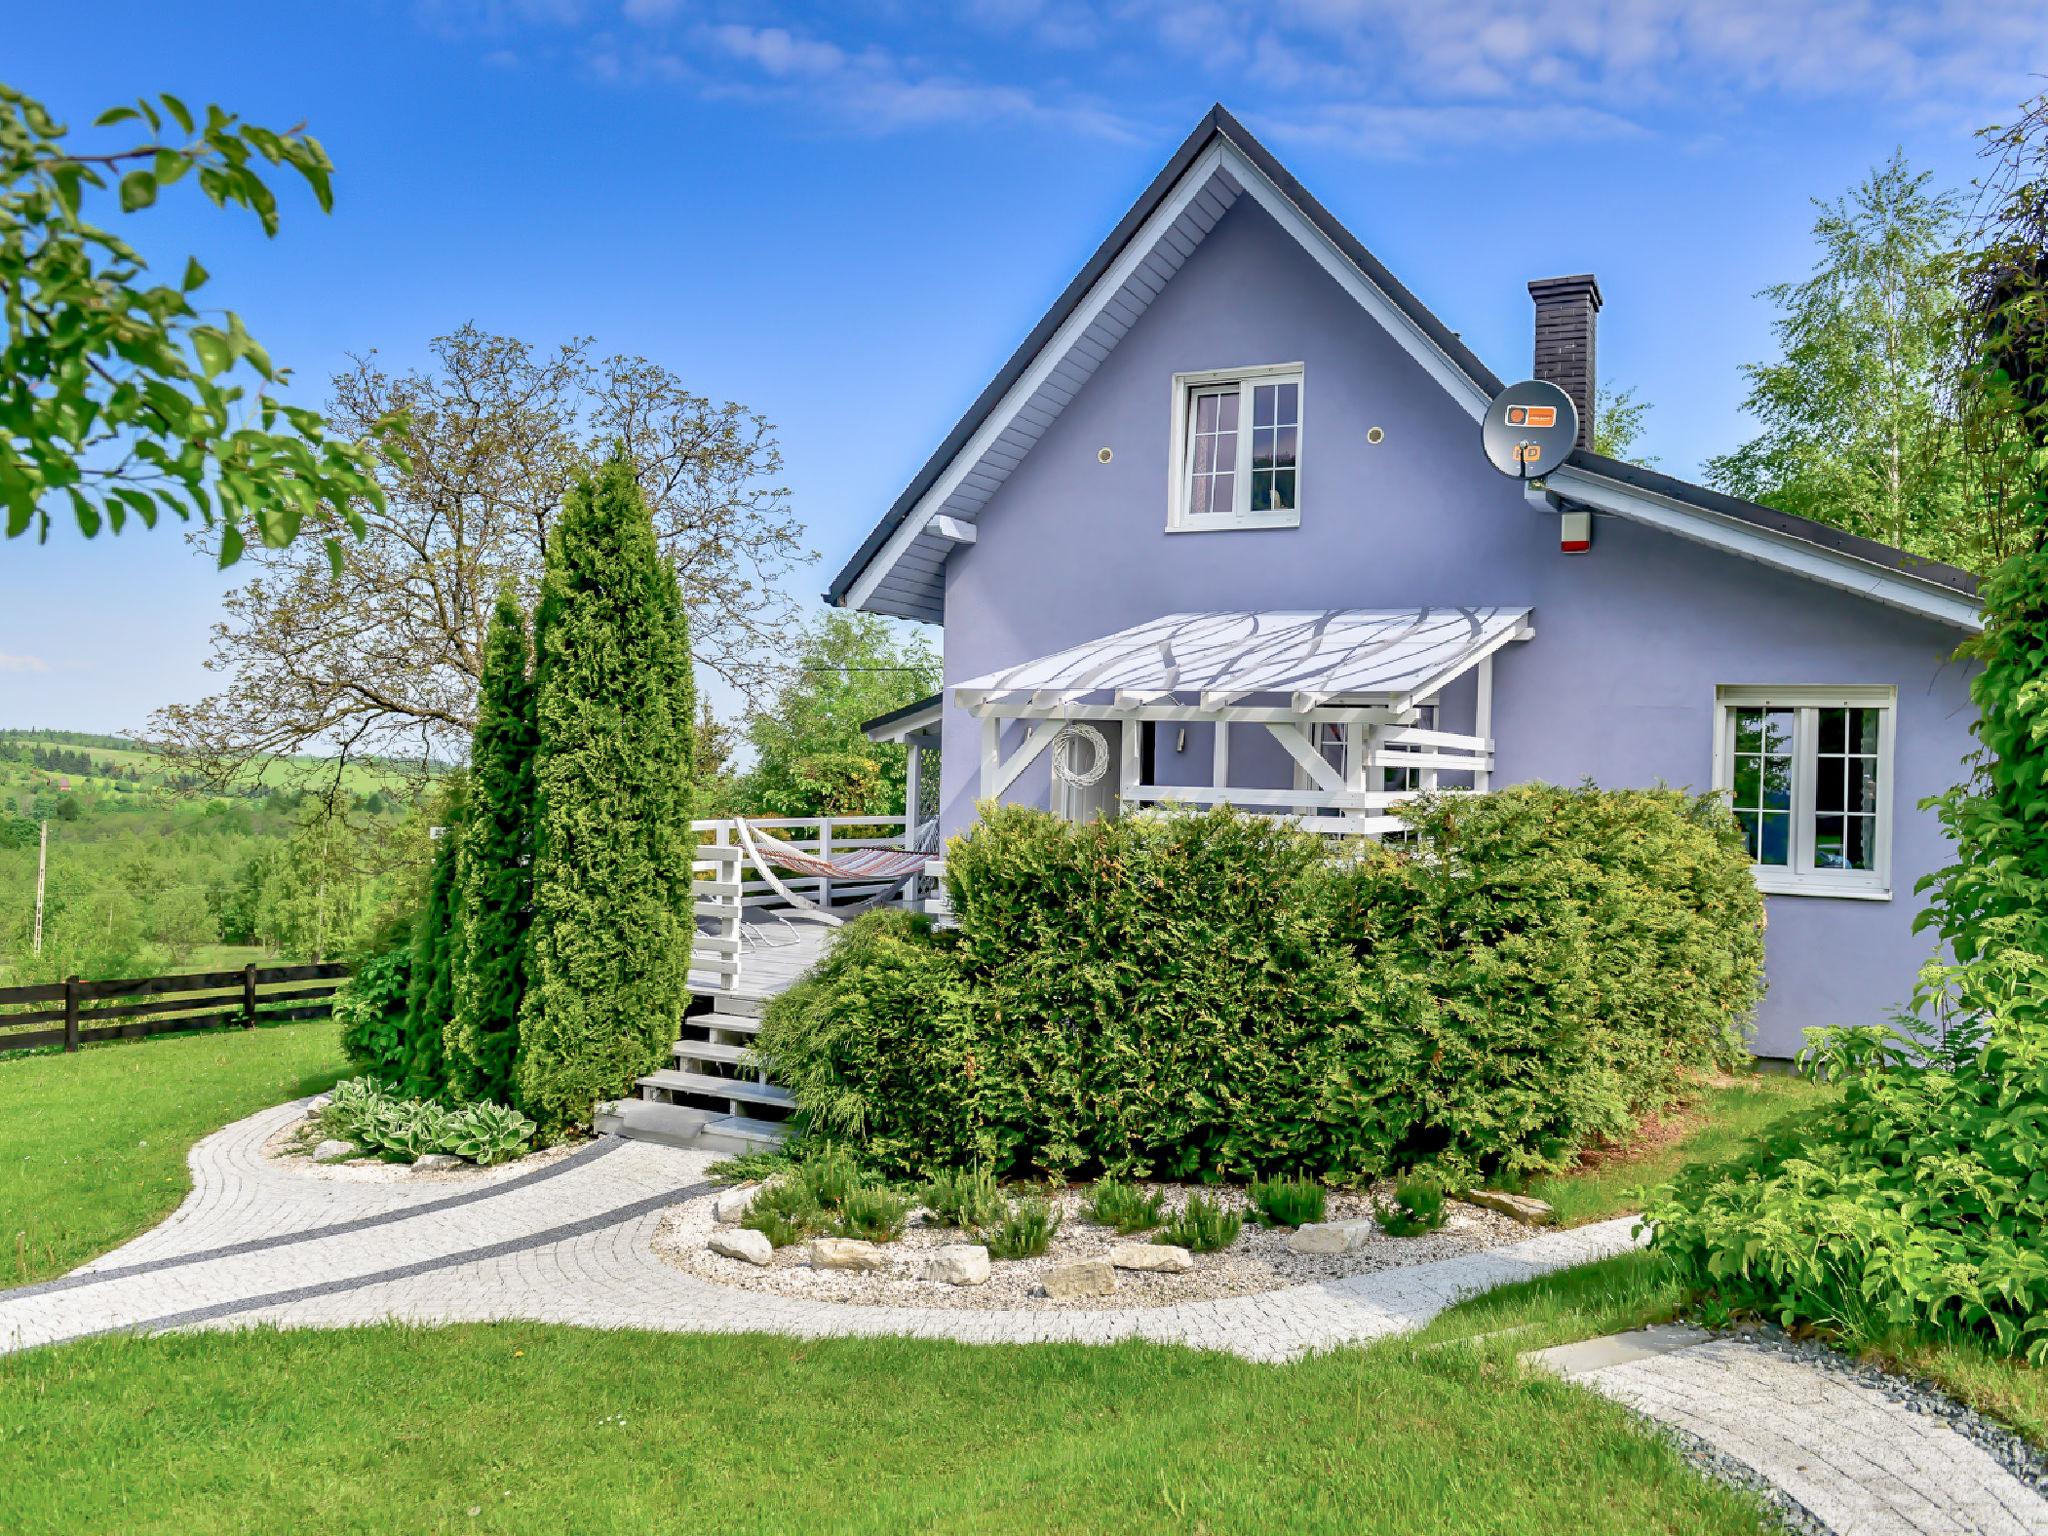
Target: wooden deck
774,954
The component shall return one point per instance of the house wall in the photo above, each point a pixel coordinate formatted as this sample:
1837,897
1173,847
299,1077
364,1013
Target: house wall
1631,640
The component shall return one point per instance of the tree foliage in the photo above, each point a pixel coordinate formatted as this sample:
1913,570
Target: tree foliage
1618,421
810,758
117,394
1857,418
496,890
436,938
611,930
387,657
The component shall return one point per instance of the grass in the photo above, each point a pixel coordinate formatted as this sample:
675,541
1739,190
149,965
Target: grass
1725,1112
514,1428
92,1145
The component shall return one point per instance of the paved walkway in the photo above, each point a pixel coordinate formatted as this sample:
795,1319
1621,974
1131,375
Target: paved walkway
572,1242
1848,1456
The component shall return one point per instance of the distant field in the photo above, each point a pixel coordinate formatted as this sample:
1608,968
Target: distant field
361,776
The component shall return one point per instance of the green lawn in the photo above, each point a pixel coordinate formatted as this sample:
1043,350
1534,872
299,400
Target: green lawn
92,1145
528,1428
1721,1115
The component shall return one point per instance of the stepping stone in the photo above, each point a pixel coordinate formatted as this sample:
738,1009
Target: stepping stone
435,1162
1615,1349
334,1151
744,1244
1087,1277
1152,1258
956,1264
1526,1209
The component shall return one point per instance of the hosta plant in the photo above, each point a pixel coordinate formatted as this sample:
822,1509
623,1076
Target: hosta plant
489,1133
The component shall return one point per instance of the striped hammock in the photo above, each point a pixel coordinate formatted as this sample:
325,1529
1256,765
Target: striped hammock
897,866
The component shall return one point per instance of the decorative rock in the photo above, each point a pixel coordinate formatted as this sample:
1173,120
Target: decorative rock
1152,1258
956,1264
1088,1277
847,1253
435,1162
334,1151
743,1243
1526,1209
733,1204
1332,1237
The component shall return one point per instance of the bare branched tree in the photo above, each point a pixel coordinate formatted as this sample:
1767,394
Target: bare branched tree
383,659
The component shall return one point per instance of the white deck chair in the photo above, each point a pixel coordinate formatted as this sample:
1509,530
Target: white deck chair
898,866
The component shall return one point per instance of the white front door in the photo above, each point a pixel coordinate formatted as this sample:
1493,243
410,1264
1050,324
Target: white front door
1086,802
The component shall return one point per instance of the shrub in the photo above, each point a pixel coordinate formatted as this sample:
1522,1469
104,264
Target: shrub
1912,1207
1567,959
1025,1230
1289,1202
1417,1207
378,1120
873,1213
1215,994
786,1212
1113,1203
371,1008
1202,1226
964,1197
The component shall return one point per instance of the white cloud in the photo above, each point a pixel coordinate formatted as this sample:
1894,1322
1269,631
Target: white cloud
1400,132
22,663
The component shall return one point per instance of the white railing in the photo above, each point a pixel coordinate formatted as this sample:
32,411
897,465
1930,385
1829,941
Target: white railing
729,887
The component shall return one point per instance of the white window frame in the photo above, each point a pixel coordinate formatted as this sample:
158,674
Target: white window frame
1179,466
1802,877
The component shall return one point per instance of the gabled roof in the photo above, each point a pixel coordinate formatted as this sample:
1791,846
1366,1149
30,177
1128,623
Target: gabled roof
897,567
900,566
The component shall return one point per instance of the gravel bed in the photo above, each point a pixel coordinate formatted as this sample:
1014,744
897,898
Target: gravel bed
291,1149
1258,1261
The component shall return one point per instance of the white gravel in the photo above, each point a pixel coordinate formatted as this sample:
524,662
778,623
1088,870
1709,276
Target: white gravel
1258,1261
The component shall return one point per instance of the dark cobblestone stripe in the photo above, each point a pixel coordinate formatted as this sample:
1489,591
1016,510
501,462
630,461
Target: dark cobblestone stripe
580,1158
543,1239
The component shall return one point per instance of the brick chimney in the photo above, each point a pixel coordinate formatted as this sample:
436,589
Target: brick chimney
1567,317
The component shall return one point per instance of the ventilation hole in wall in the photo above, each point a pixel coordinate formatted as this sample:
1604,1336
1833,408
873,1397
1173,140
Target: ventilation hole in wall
1103,455
1375,435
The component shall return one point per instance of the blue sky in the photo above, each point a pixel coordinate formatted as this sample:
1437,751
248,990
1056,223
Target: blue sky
847,216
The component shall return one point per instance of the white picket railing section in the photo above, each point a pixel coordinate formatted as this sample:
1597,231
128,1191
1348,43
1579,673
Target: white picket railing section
729,889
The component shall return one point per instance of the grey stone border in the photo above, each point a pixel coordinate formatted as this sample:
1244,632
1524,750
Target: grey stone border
583,1227
582,1157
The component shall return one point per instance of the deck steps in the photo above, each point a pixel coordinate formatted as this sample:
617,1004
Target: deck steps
678,1125
705,1085
713,1050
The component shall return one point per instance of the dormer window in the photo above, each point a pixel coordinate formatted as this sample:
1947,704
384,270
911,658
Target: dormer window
1236,449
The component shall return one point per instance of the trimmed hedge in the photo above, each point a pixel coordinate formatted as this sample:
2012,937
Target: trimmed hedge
1215,995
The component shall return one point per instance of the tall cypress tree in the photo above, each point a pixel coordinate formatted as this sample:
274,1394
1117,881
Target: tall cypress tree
608,960
430,993
496,889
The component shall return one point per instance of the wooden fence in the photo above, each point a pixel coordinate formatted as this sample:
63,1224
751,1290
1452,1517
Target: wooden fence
75,1012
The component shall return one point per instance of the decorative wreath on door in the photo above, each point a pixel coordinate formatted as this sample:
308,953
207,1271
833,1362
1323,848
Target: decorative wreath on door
1080,755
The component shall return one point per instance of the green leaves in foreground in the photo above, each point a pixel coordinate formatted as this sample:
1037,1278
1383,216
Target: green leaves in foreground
115,392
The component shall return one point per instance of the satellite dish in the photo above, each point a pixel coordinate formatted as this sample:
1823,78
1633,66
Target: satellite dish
1530,429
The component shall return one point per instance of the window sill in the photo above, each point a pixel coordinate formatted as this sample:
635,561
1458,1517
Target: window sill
1776,884
1235,524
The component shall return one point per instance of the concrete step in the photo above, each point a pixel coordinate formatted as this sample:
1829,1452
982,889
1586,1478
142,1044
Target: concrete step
712,1050
677,1125
704,1085
724,1023
744,1005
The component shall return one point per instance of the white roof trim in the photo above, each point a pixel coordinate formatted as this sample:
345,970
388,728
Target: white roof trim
1224,169
1783,551
1363,657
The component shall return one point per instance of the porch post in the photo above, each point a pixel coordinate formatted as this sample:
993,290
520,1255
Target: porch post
991,754
1482,723
1220,757
913,792
1129,761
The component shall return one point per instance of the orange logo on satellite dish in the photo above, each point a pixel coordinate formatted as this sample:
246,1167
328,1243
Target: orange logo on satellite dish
1532,415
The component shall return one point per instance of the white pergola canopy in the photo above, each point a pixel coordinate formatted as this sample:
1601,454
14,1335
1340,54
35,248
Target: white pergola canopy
1374,657
1340,690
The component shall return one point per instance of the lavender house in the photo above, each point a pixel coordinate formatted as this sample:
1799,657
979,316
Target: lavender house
1222,529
